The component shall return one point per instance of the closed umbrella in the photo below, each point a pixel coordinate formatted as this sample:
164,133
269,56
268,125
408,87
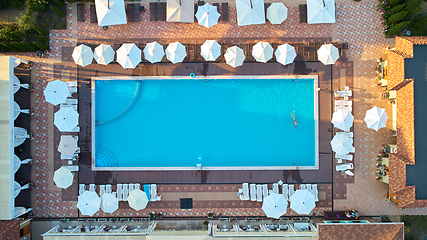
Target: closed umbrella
18,188
277,13
328,54
63,177
56,92
234,56
137,199
104,54
129,55
376,118
109,203
67,145
110,12
285,54
250,12
302,201
17,110
17,162
20,135
88,203
210,50
320,11
262,52
342,144
82,55
274,205
342,119
154,52
175,52
207,15
66,119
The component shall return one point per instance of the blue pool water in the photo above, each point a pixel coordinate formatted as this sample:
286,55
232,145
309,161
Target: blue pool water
219,123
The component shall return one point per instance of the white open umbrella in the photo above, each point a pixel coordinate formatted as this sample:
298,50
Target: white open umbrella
66,119
110,12
180,11
88,203
234,56
104,54
82,55
274,205
285,54
328,54
342,119
56,92
342,144
262,52
137,199
67,145
320,11
302,201
154,52
376,118
207,15
250,12
109,203
63,177
277,13
129,55
175,52
210,50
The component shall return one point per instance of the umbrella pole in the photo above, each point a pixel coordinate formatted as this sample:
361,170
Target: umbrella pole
324,5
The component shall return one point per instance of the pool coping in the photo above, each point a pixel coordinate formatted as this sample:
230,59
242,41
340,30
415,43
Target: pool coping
316,117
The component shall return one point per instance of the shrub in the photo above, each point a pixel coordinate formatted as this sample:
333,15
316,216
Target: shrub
419,24
11,32
59,3
26,21
393,3
58,11
62,25
396,28
3,4
397,8
36,5
397,17
41,30
30,46
41,46
16,3
12,47
413,6
3,47
41,38
20,46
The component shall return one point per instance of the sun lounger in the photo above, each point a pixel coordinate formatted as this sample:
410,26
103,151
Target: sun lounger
302,186
245,187
224,12
129,12
349,173
131,187
347,134
108,188
344,167
308,187
303,13
137,12
301,226
343,104
315,192
101,190
137,186
93,17
64,157
285,191
259,193
82,189
80,12
264,190
120,192
147,191
291,190
125,192
92,187
72,86
276,188
153,192
345,157
253,192
73,168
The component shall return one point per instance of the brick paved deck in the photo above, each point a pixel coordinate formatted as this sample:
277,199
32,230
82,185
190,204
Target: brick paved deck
357,23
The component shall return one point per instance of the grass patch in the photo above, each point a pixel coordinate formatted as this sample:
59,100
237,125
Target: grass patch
415,227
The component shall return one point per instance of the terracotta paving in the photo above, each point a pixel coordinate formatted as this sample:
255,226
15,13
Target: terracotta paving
358,24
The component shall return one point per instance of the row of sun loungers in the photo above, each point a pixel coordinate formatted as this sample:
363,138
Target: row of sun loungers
123,190
260,191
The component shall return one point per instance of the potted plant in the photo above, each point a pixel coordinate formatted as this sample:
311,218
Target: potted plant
210,214
152,215
31,186
158,215
393,132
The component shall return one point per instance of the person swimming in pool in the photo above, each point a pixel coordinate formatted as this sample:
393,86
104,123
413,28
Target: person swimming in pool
293,119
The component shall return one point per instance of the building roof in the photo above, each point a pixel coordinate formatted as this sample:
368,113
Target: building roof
405,123
397,177
355,231
9,229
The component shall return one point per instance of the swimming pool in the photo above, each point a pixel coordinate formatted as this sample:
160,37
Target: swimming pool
238,122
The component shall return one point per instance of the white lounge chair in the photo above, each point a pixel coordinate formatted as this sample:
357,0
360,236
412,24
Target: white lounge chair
344,167
315,192
101,190
308,187
291,190
345,157
72,168
108,188
71,102
264,190
120,192
285,191
276,188
245,187
125,192
259,193
72,86
346,88
153,193
301,226
348,172
82,189
343,104
253,192
302,186
137,186
131,187
92,187
346,134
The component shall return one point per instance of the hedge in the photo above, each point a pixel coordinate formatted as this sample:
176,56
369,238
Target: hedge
30,46
397,17
393,3
41,46
41,38
396,28
21,46
397,8
59,3
58,11
40,30
419,24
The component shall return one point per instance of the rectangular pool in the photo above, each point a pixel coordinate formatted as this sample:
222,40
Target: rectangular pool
221,123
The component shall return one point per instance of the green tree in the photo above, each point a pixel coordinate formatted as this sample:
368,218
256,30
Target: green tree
36,5
11,32
26,21
396,17
58,11
16,3
396,28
